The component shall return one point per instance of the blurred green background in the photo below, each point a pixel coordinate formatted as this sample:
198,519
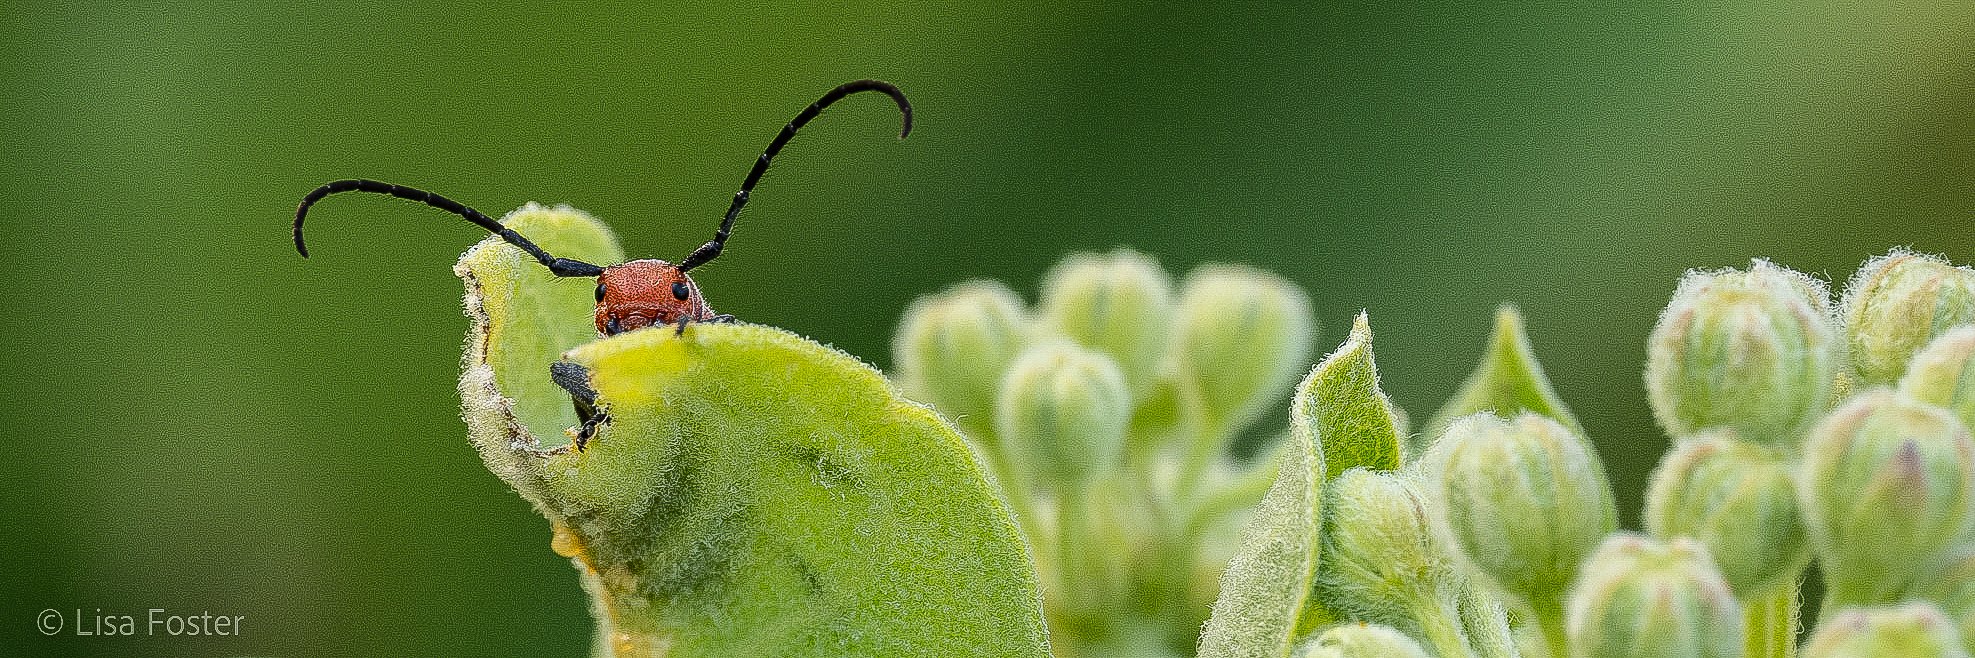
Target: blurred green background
201,420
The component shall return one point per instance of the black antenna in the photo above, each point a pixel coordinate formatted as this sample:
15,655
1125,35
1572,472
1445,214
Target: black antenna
711,250
559,266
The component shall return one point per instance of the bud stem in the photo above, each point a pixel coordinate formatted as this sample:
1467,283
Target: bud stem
1772,622
1076,570
1549,616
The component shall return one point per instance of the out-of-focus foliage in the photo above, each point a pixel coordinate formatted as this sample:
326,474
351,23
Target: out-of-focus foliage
1109,432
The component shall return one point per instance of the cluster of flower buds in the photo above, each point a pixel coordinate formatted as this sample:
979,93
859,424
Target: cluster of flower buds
1086,406
1790,443
1804,431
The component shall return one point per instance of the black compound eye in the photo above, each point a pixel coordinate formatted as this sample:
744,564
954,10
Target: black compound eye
599,292
680,290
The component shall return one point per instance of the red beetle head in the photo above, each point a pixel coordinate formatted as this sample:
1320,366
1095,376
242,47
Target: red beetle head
644,293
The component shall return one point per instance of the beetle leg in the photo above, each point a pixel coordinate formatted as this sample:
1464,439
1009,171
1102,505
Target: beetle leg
683,321
575,379
723,318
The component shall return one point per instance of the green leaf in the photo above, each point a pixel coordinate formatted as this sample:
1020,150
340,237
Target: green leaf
1341,403
1338,420
533,315
1507,381
1266,586
754,492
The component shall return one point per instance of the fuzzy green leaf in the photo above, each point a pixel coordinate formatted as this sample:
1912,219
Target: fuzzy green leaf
1341,403
534,315
1338,420
1266,586
754,493
1507,381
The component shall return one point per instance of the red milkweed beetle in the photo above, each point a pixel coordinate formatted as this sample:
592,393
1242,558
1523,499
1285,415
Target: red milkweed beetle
643,292
630,295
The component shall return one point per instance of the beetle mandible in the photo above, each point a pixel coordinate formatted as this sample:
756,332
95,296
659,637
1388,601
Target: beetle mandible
640,293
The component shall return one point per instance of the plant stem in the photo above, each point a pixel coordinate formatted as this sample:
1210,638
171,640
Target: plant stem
1549,617
1073,550
1772,622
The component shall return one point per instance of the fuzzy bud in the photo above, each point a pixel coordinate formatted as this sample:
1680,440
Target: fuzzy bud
1244,335
1887,485
1523,500
1381,561
1639,597
1063,410
1911,630
1737,499
1899,302
1120,304
1940,374
1359,641
953,347
1752,350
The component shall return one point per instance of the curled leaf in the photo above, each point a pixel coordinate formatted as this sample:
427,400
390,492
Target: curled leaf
751,493
1266,586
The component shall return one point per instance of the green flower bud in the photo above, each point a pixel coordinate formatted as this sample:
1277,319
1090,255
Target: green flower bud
1899,302
1642,598
1523,500
1752,350
1939,375
1120,304
1888,485
1063,411
1951,586
1359,641
953,347
1381,561
1911,630
1244,335
1737,499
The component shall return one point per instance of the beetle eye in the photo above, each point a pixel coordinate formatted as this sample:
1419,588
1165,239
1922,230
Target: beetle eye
599,292
680,290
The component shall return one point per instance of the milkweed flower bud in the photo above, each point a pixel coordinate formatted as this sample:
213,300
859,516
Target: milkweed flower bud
1120,304
1753,350
1737,499
1887,485
1245,335
1523,500
1639,597
1381,561
1898,302
1940,374
1360,641
953,347
1912,630
1063,409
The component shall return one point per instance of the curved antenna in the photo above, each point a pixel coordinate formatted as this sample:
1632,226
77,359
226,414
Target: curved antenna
711,250
559,266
